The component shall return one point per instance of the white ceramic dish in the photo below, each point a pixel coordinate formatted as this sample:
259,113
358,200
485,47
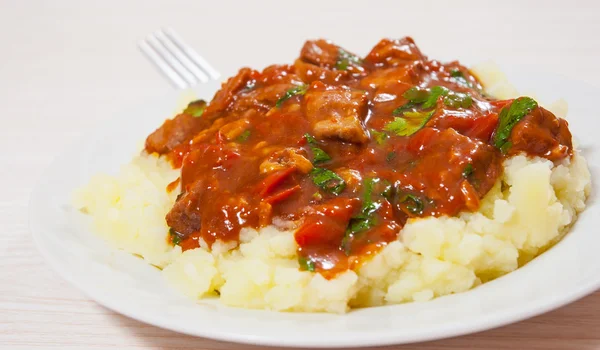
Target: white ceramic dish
127,285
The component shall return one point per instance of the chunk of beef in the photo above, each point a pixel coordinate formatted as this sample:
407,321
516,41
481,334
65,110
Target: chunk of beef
278,74
268,87
261,98
184,217
178,130
542,134
394,52
387,80
224,97
387,85
337,112
309,72
286,158
324,61
465,170
320,52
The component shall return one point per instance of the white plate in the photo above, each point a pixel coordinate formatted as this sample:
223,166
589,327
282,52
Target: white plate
127,285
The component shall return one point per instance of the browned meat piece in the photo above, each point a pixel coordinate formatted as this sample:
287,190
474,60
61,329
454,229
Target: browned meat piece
270,85
320,52
309,72
286,158
277,74
224,97
184,217
471,166
178,130
388,84
387,80
261,98
337,112
394,52
542,134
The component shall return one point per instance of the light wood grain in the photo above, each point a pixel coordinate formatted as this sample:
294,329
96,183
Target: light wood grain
65,65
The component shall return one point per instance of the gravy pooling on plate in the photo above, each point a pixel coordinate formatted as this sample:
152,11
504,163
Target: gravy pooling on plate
347,149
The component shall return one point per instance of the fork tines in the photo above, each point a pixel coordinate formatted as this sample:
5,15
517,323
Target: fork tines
177,61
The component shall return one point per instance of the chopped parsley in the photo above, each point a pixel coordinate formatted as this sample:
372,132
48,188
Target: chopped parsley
244,136
427,98
175,238
369,206
319,156
409,124
346,58
360,223
195,108
508,118
390,156
306,264
468,170
459,78
409,106
458,100
379,136
456,73
387,189
416,95
296,90
434,95
366,218
414,204
327,180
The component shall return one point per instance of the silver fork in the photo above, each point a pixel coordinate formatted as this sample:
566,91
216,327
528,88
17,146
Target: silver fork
178,62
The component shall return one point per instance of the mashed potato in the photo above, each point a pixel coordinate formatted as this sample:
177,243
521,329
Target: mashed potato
531,207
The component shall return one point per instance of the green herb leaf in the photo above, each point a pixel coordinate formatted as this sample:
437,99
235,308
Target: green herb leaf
508,118
359,224
317,195
195,108
416,95
296,90
244,136
175,238
414,204
346,58
306,264
456,73
458,100
369,207
398,125
387,189
505,147
366,219
310,139
409,124
390,156
406,107
379,136
459,78
434,95
327,180
319,156
468,170
427,98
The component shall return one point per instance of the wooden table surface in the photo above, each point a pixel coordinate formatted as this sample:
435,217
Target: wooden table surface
67,64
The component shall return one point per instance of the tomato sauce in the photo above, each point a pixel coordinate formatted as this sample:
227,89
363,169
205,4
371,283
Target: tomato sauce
344,149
